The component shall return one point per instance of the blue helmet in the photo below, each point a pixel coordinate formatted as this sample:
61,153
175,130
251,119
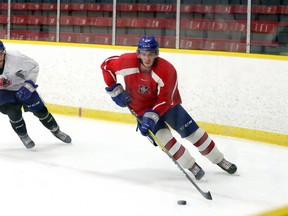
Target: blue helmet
2,47
148,43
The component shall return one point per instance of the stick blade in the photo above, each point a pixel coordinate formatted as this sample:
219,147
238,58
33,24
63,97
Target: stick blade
207,195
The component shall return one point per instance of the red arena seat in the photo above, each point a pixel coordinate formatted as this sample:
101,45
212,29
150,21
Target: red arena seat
66,20
241,9
194,24
219,25
147,7
67,37
235,46
222,9
264,9
2,34
194,44
37,20
94,7
33,6
18,6
107,7
77,7
51,20
81,21
167,8
167,42
264,43
85,38
203,8
156,23
101,21
47,6
20,35
3,19
238,26
103,39
214,45
65,7
187,8
127,7
283,9
135,23
126,40
264,27
3,6
19,19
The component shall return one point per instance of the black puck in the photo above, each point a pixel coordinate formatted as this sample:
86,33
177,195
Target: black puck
181,202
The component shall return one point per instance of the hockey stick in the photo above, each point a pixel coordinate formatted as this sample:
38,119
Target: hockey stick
206,195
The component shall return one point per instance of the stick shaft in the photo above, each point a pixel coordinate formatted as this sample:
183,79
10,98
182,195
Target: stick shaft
206,195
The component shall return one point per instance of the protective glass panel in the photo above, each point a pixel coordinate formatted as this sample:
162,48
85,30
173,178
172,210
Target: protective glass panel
33,20
269,30
146,17
86,21
218,25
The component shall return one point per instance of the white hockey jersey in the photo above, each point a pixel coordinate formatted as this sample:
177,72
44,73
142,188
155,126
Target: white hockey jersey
18,68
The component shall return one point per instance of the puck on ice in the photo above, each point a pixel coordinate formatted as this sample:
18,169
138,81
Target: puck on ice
181,202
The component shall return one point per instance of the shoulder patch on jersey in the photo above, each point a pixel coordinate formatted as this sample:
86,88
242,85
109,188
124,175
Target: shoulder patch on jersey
19,74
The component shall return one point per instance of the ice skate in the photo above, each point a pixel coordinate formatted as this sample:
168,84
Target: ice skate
227,166
197,171
27,141
62,136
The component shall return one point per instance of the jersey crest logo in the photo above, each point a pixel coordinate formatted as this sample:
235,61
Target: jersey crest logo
4,82
143,89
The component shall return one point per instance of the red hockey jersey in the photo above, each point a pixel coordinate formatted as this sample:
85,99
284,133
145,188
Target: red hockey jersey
157,90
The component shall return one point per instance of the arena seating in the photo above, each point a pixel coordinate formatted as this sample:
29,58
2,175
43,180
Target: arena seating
212,25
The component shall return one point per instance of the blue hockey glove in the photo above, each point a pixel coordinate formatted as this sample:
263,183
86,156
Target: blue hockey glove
149,119
25,92
119,95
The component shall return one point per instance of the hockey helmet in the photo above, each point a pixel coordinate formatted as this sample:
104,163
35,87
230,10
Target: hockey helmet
148,43
2,47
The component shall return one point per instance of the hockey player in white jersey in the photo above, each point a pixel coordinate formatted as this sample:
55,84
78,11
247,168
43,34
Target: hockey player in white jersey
18,75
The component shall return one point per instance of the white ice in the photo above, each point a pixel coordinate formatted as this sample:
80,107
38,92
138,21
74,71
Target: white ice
109,169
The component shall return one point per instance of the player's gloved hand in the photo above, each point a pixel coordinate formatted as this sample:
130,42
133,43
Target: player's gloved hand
119,95
4,82
26,90
149,119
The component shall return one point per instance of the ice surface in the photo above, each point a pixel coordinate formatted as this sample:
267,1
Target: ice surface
109,169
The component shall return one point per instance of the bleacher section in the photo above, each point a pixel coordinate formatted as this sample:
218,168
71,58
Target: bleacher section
208,25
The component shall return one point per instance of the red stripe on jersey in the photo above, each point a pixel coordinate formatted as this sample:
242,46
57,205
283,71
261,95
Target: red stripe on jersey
179,153
208,149
170,144
201,140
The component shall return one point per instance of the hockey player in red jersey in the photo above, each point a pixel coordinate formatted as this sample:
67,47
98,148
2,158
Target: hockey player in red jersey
18,74
151,90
